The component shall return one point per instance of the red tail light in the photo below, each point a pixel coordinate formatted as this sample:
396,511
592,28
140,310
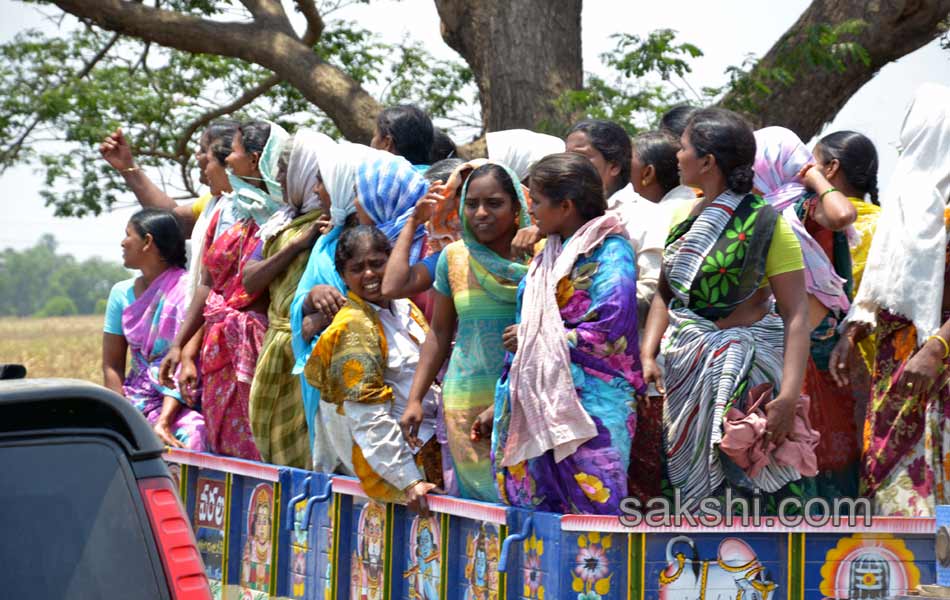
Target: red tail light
176,542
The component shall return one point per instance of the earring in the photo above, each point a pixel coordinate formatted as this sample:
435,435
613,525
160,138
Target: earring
643,182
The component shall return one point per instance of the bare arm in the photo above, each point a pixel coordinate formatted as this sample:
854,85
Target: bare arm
194,320
116,151
400,280
657,321
833,210
258,274
789,292
435,349
114,348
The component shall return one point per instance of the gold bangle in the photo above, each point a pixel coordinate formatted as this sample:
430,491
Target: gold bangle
129,170
946,345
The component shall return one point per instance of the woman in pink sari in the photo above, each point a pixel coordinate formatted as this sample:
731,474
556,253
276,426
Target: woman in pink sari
235,321
143,315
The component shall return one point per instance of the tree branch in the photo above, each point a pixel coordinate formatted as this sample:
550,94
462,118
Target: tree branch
315,23
273,46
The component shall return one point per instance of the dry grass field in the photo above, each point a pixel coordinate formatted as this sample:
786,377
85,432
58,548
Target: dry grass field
54,347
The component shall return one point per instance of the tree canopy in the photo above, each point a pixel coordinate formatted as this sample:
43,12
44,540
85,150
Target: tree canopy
163,69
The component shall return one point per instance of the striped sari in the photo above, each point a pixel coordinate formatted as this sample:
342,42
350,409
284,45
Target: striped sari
714,262
276,410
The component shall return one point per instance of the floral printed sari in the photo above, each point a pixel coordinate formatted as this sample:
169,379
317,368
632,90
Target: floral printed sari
149,325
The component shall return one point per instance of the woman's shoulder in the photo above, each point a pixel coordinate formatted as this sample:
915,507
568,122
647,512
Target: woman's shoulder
615,246
456,249
123,289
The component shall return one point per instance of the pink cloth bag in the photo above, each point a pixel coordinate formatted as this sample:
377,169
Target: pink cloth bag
743,439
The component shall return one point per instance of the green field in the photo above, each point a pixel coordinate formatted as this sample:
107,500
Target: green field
54,347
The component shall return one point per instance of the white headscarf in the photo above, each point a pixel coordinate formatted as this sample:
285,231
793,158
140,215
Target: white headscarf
303,169
519,149
338,170
906,262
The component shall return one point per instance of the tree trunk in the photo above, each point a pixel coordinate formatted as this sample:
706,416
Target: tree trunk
268,41
524,54
894,28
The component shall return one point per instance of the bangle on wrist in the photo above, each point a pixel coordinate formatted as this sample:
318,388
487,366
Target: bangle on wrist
828,191
411,485
129,169
943,342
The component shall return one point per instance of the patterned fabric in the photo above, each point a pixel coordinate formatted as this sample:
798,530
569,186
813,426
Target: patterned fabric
348,366
275,410
721,262
232,342
598,307
389,188
709,369
906,462
149,325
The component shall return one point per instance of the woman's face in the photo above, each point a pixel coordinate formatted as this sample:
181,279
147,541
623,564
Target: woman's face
363,273
134,248
241,162
382,142
690,165
579,142
215,173
201,157
490,212
548,215
321,191
636,173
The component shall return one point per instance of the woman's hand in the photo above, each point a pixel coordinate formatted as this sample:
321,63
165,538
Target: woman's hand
781,418
168,366
922,370
653,374
116,151
327,300
509,338
308,237
839,364
187,378
416,497
409,423
325,223
524,241
810,176
481,428
427,205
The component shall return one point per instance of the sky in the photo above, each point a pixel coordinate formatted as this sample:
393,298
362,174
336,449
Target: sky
876,110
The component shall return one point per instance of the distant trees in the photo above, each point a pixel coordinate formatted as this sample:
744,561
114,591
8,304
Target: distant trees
39,282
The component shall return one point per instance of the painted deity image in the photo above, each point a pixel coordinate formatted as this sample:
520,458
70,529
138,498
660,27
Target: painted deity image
368,579
481,572
424,559
256,559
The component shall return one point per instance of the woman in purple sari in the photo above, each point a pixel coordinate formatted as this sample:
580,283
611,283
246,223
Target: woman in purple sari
143,316
565,407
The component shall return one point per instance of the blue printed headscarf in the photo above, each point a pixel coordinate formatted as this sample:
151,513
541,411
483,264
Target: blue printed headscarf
389,188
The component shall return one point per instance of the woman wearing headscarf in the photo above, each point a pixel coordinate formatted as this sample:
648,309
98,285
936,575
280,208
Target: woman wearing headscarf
565,407
235,320
321,291
275,408
723,265
904,300
476,285
820,215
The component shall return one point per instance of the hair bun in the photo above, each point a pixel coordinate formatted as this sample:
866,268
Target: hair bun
739,179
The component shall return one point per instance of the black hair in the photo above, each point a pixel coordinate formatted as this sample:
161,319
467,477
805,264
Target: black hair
220,135
442,147
254,135
612,141
410,129
570,176
441,170
675,120
857,158
500,174
165,231
352,240
729,138
659,149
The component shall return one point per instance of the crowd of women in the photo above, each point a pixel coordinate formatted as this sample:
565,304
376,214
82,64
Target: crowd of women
561,325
